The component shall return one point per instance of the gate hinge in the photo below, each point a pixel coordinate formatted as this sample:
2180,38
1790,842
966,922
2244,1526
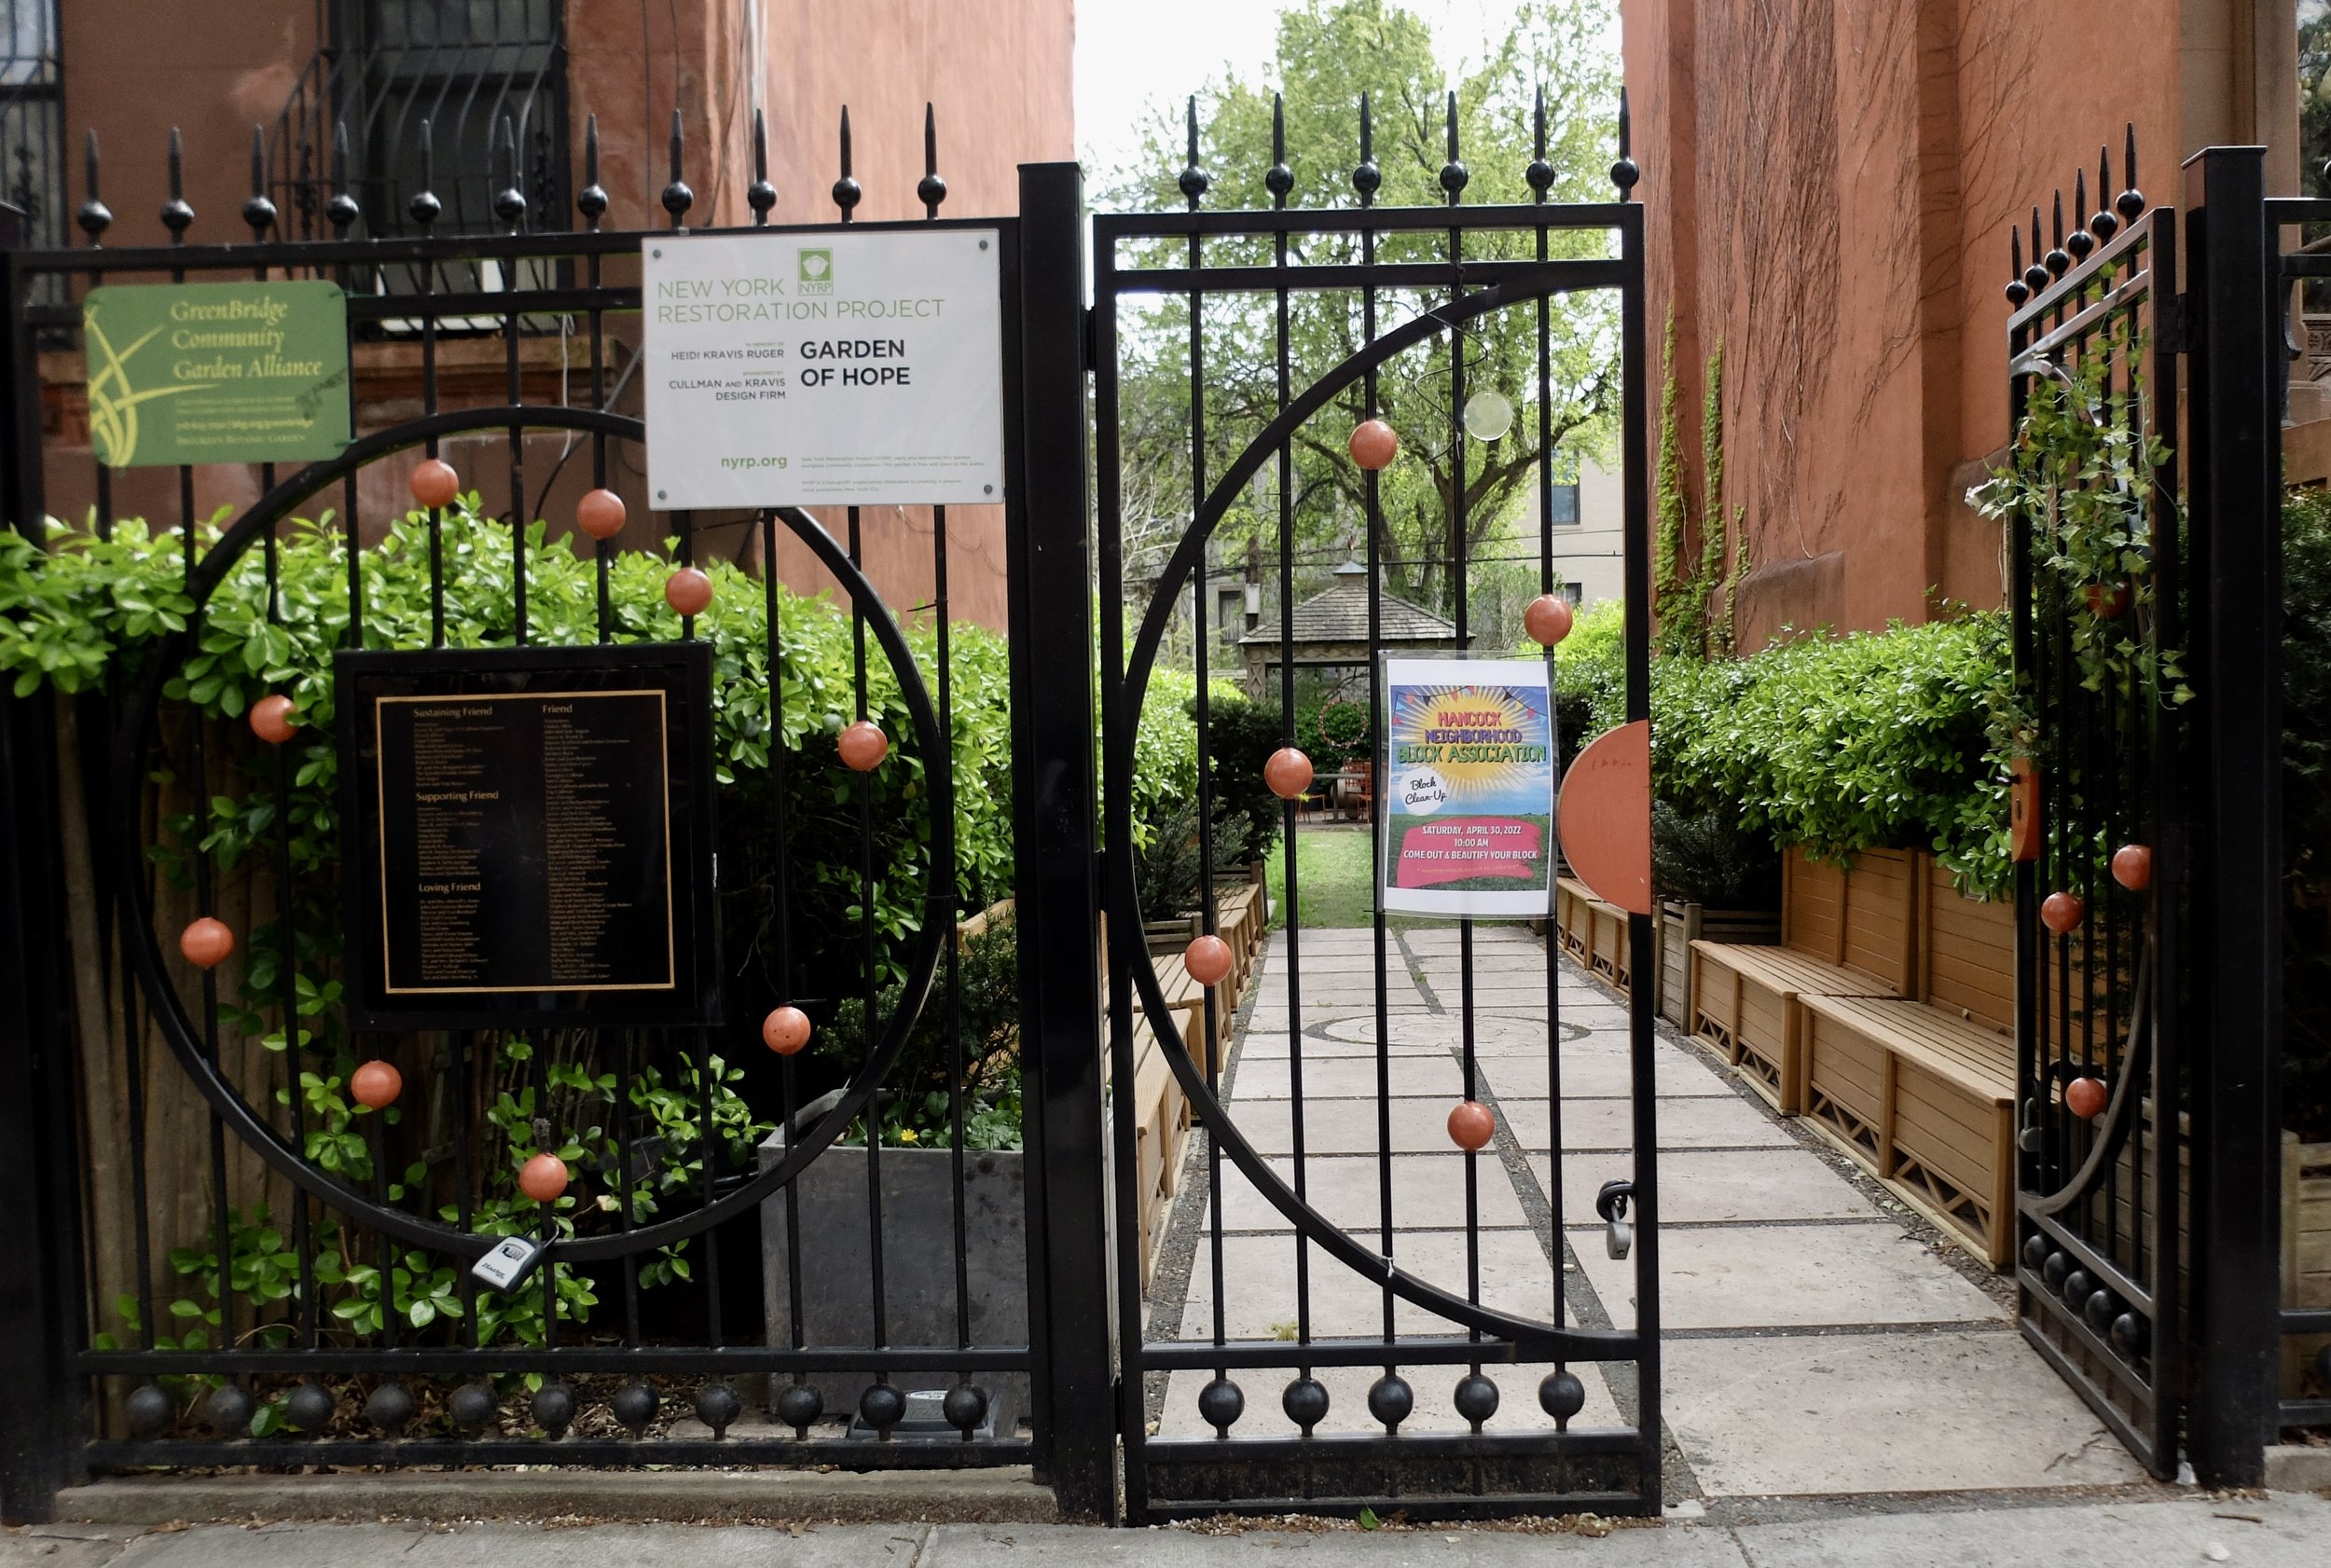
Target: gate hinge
2170,323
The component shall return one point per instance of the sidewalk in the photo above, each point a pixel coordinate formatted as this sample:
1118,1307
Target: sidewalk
1819,1339
2283,1532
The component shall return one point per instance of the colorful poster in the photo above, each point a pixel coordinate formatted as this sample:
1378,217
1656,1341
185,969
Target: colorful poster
187,373
1469,747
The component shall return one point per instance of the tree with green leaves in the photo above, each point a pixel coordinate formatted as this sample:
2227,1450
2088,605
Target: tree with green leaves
1332,57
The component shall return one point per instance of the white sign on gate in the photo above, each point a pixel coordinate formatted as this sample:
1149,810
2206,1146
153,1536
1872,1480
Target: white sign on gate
823,369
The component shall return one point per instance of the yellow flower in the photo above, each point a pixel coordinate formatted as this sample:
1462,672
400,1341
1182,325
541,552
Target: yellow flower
906,1134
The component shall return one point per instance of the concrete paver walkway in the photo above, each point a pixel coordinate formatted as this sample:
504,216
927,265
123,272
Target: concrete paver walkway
1817,1342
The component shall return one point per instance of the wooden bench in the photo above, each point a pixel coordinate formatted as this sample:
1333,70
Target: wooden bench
1592,932
1843,933
1926,1100
1923,1091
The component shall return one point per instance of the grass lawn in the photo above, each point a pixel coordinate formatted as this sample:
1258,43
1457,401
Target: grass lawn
1335,875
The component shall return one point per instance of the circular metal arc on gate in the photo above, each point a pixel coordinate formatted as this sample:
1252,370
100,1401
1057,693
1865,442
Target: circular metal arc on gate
1533,1340
136,736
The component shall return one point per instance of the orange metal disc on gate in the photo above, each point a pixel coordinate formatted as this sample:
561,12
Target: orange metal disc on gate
1606,817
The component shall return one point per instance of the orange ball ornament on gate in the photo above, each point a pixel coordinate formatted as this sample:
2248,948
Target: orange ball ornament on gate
1375,445
1549,619
271,719
2085,1097
207,943
785,1030
375,1084
1287,772
2132,867
435,483
599,513
688,591
543,1178
1207,958
2062,912
863,746
1471,1125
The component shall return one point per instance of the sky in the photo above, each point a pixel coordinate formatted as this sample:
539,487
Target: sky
1134,55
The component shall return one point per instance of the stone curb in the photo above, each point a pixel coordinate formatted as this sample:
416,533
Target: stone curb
996,1496
2299,1467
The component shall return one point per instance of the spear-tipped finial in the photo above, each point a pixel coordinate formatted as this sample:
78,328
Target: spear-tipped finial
931,190
2131,200
677,198
1454,174
761,195
2018,290
1624,173
1540,173
2079,241
846,192
1278,179
1367,178
93,215
1192,181
2103,222
343,209
2035,277
424,206
259,212
2058,259
177,212
591,200
510,200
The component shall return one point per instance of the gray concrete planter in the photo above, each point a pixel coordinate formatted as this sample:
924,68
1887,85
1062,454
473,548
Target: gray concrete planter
918,1264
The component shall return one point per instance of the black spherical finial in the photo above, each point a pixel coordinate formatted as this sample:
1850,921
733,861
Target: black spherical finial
798,1406
229,1411
1220,1404
93,215
1540,175
177,214
259,213
718,1407
1305,1402
1391,1401
1560,1395
1192,181
2131,203
931,190
554,1407
634,1405
150,1410
311,1407
591,200
473,1406
2132,1334
424,207
846,192
677,198
2036,1251
1476,1397
2053,1271
965,1407
388,1407
2101,1310
882,1407
1368,179
1278,180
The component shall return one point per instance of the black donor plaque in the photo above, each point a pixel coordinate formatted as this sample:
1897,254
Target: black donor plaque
532,835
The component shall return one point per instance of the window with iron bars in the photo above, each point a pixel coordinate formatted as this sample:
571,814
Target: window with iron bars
32,119
463,69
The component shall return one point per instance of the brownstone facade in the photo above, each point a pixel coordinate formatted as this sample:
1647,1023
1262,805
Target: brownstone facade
997,72
1829,188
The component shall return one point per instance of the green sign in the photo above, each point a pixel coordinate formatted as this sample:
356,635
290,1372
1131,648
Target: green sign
187,373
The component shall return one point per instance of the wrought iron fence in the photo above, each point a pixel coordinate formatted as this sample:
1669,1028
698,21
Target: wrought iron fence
270,1262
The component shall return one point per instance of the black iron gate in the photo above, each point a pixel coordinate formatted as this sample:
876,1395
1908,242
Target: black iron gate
1401,283
2148,370
246,1224
251,1222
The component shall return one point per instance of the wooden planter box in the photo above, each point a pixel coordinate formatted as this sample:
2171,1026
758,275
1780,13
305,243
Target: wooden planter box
1680,924
2305,1254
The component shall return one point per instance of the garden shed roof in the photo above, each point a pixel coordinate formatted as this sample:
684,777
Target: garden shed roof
1339,613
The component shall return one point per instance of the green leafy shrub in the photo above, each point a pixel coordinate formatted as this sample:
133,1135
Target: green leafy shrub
1710,859
2306,814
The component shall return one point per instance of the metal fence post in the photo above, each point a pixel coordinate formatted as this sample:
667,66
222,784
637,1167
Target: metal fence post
40,1314
1051,586
2238,364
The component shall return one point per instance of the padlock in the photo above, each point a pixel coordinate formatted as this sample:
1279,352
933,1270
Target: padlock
1611,1203
1619,1237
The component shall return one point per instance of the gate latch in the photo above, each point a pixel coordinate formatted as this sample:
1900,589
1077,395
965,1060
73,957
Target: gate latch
1611,1203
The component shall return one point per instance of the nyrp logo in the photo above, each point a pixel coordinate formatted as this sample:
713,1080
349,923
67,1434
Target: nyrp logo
816,271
